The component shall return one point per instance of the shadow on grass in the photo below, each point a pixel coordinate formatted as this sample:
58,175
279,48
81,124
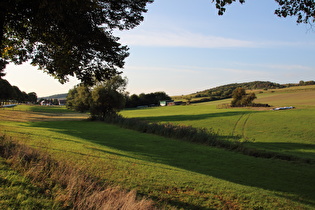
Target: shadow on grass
274,175
305,151
172,118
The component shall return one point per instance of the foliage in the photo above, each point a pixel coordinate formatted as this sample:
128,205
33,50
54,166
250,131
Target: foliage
225,91
79,98
103,99
8,92
304,10
108,97
146,99
240,98
68,38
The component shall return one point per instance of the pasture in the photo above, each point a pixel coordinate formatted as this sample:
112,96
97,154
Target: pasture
288,132
171,172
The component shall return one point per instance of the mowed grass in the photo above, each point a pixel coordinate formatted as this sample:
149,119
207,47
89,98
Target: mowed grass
178,173
289,132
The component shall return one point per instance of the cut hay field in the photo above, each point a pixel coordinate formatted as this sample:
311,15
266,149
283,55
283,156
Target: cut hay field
289,132
173,173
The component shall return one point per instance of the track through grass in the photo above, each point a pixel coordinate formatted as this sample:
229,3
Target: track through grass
289,132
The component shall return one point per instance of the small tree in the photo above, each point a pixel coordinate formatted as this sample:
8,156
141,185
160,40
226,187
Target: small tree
103,99
108,97
32,97
79,98
240,98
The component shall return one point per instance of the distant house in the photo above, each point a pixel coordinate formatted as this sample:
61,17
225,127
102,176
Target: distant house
167,103
45,102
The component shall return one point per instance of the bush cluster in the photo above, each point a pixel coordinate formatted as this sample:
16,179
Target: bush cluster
180,132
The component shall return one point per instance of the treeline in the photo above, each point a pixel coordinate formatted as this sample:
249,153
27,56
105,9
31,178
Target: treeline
226,91
13,93
150,99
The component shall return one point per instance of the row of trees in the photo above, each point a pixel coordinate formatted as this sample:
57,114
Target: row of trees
13,93
103,99
109,97
226,91
150,99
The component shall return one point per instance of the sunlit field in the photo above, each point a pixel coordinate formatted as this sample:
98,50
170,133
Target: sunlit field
286,131
171,172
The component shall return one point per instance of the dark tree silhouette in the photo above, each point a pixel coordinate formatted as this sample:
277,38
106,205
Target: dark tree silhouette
67,38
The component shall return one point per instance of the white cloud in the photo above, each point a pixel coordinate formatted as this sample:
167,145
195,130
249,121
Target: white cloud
291,67
181,39
285,67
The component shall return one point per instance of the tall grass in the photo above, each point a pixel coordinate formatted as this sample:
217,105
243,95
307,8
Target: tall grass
69,185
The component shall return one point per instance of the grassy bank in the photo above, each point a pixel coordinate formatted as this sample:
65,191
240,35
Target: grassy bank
17,191
59,185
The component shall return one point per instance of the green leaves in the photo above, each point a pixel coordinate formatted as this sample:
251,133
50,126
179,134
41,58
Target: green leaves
103,99
68,38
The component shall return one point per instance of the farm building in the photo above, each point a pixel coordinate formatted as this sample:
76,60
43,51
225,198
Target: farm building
170,103
166,102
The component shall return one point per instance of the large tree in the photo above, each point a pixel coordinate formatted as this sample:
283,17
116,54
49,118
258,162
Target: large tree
67,37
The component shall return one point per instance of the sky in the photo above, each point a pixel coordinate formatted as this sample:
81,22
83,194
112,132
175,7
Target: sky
183,47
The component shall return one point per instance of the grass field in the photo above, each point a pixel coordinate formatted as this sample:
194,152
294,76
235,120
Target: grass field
289,132
171,172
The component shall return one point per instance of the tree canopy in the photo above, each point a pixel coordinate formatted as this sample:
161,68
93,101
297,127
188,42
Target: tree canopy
150,99
304,10
240,98
67,37
101,100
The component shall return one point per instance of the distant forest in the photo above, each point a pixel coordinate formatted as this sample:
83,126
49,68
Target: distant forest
225,91
14,94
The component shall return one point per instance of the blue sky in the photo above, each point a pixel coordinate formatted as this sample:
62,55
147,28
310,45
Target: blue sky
183,47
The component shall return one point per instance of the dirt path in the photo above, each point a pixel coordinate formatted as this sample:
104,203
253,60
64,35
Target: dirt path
29,116
242,123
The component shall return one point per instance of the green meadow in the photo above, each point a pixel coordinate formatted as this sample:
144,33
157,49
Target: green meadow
183,175
287,131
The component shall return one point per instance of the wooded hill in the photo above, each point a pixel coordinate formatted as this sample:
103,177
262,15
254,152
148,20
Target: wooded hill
225,91
56,96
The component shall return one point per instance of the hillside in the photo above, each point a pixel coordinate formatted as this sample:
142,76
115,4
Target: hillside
56,96
225,91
